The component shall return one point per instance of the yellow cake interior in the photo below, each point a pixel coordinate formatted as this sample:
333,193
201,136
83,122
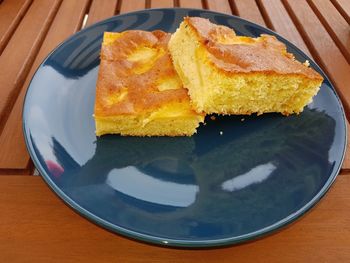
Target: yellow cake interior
213,90
173,117
170,120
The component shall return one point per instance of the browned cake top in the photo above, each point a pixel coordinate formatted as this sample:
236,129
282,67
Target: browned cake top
237,54
132,70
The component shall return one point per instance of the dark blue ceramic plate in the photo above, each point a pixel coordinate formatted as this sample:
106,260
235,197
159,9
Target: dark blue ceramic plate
207,190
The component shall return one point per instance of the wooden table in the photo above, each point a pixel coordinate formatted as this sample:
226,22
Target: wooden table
36,226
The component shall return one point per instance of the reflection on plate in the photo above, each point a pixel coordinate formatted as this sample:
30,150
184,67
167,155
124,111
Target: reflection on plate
233,181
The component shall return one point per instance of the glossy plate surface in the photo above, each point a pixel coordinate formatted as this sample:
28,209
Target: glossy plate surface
235,180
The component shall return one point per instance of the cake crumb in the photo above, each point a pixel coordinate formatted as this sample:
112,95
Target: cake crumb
242,119
212,118
306,63
204,123
221,133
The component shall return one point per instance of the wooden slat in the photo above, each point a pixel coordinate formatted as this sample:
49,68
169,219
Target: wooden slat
335,23
20,52
11,13
322,46
191,4
67,21
282,23
27,172
101,9
129,6
36,225
248,9
162,3
343,7
222,6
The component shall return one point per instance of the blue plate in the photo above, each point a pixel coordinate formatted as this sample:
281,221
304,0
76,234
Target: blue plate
234,181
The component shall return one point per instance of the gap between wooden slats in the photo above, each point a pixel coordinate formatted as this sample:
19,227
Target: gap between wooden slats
248,9
343,7
67,21
13,172
21,50
101,9
11,14
335,24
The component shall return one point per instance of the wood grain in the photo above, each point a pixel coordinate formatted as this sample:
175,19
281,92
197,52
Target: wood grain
222,6
249,10
37,227
191,4
11,13
101,9
17,57
162,3
68,20
282,23
129,6
335,24
322,47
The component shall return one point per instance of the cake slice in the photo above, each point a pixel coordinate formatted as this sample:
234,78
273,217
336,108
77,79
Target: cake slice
230,74
138,91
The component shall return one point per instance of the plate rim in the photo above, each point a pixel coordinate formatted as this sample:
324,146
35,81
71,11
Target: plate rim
150,239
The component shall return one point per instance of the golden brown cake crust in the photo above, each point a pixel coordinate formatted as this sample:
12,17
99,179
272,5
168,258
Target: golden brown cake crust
267,54
139,91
